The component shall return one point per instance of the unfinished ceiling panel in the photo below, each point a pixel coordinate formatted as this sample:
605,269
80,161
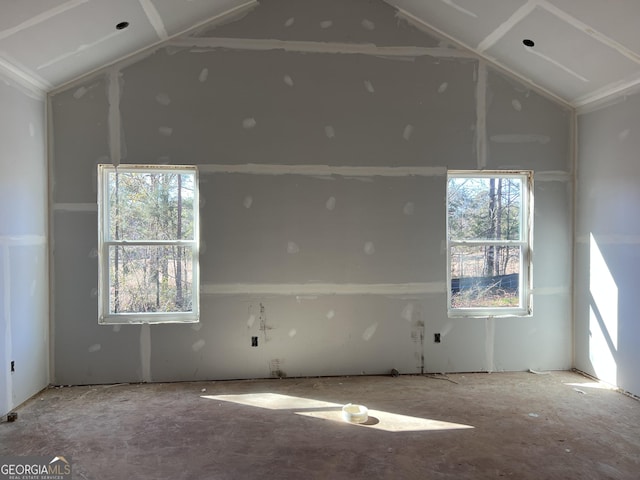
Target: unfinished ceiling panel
565,59
611,20
16,14
67,45
359,21
468,21
177,17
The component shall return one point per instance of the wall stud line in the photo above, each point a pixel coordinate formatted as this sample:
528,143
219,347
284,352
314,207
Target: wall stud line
481,115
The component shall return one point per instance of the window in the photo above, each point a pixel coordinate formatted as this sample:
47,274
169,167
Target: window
148,244
489,243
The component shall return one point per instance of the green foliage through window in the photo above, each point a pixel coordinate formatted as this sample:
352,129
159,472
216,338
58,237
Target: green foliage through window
149,240
488,239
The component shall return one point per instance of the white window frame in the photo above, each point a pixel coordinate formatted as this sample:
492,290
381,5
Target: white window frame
104,242
525,278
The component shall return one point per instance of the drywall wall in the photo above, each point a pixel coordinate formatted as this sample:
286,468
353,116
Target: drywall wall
322,173
607,331
24,287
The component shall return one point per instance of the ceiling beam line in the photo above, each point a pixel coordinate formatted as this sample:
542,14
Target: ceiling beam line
504,28
154,18
318,47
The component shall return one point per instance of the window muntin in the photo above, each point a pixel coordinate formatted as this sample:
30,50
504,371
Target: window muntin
489,243
148,244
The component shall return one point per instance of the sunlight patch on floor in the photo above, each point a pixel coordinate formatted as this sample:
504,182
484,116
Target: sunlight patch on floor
320,409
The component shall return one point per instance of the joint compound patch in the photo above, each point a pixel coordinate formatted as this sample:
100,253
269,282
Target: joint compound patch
369,86
248,201
331,203
249,123
368,24
329,131
369,332
369,248
197,346
326,24
292,248
288,80
204,74
408,130
79,93
163,99
409,208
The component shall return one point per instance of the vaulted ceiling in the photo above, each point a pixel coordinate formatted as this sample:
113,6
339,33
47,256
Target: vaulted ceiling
583,50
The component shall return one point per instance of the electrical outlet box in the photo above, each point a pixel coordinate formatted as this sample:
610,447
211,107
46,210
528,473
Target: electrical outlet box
436,338
254,341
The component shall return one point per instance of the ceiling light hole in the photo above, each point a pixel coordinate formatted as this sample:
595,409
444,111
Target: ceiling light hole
528,43
122,25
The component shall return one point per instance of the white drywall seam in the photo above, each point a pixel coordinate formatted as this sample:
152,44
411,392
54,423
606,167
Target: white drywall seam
611,239
81,48
75,207
8,347
323,170
323,288
481,115
573,149
552,176
29,81
504,28
490,333
463,10
22,240
154,18
206,43
551,290
608,95
555,63
145,352
49,140
41,17
113,94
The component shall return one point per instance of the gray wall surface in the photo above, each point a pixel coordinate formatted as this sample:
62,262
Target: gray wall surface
337,270
24,283
607,330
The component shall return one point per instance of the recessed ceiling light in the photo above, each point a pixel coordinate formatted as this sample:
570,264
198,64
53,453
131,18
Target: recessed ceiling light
122,25
528,43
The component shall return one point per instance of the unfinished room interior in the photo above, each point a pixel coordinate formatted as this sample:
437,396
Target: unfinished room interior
326,239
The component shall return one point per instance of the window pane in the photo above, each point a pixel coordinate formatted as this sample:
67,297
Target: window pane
484,208
150,205
150,278
485,276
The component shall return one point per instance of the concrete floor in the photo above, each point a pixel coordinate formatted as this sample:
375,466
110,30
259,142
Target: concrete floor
518,425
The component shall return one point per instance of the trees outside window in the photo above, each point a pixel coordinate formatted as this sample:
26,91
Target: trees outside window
489,243
148,244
